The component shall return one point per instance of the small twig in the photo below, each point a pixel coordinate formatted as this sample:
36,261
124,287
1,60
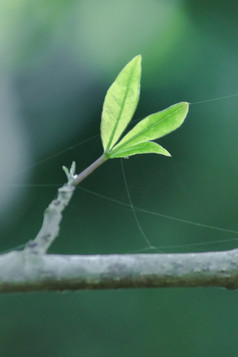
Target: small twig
53,216
79,178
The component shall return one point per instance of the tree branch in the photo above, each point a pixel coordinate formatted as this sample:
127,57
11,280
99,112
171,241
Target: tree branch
53,215
22,271
34,270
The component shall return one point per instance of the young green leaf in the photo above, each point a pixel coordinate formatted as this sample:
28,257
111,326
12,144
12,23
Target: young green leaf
120,103
153,127
147,147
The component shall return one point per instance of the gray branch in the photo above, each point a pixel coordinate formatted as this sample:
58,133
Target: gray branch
53,215
22,271
34,270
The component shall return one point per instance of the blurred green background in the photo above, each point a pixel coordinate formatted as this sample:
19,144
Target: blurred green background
57,60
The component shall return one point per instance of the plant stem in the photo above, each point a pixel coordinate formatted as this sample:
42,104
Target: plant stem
80,177
53,214
51,222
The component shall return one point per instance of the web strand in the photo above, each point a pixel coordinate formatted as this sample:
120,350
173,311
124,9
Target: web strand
215,99
146,239
57,154
172,218
135,209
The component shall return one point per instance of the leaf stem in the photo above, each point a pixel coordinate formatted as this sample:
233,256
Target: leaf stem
80,177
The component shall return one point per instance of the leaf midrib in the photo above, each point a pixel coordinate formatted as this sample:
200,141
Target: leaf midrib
147,128
120,112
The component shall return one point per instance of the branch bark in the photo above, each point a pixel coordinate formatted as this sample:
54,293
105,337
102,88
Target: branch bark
34,270
24,271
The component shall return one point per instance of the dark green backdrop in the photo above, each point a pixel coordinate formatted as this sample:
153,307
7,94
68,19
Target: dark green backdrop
58,59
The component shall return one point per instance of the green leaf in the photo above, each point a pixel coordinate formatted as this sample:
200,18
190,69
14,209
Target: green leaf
147,147
154,126
120,103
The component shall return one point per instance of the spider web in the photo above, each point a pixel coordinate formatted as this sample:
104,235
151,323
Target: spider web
135,209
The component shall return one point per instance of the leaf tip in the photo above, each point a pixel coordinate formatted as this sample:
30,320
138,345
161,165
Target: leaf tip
186,105
137,58
166,153
183,108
